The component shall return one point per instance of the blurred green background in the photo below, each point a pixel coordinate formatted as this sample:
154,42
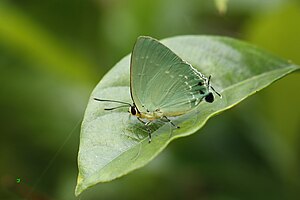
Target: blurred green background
52,54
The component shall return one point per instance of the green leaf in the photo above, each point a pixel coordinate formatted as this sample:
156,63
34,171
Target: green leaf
112,144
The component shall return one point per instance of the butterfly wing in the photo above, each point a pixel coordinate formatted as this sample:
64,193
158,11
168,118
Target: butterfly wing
160,81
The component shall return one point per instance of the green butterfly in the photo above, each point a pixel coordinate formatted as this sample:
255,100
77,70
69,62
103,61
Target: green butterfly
162,85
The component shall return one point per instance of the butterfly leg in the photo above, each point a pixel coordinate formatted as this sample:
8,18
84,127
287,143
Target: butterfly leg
146,125
164,118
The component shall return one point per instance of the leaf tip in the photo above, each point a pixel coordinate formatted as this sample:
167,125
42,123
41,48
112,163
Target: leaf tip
79,187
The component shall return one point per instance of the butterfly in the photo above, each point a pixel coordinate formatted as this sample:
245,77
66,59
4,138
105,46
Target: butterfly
162,85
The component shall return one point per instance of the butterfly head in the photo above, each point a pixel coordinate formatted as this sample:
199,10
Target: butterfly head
132,107
133,110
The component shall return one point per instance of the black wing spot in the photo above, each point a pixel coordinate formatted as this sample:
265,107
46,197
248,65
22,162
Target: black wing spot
201,92
209,98
200,83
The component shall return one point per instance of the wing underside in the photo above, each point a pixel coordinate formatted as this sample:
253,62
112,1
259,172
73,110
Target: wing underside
162,81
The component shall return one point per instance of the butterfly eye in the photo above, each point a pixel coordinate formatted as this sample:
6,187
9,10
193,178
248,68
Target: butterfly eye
132,110
209,98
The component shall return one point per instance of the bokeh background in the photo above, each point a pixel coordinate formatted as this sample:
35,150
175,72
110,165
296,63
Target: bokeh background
52,54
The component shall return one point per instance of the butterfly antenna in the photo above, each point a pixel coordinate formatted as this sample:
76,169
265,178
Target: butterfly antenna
115,107
114,101
108,100
213,87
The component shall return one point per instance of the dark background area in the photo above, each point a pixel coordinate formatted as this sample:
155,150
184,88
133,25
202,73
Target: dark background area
52,54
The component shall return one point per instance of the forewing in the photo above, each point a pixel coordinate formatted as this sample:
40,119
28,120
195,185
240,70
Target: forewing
161,81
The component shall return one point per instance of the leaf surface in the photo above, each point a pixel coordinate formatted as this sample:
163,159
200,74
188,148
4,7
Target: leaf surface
112,144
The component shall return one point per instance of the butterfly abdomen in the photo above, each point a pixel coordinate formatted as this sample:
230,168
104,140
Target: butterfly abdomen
152,115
